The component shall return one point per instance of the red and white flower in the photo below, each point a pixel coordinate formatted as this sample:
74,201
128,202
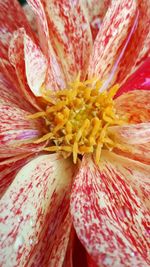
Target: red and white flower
53,212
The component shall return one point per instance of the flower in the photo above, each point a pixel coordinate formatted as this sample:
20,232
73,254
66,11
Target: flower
104,196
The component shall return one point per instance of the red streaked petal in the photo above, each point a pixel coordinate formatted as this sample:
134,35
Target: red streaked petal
132,134
96,12
55,77
11,18
32,211
16,56
9,168
9,94
68,261
35,65
132,141
30,16
110,210
70,35
79,254
111,37
8,71
18,132
139,47
135,105
91,263
140,79
60,245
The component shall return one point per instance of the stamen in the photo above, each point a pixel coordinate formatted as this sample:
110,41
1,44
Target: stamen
78,119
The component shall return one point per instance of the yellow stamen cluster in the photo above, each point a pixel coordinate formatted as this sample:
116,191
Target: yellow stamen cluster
77,118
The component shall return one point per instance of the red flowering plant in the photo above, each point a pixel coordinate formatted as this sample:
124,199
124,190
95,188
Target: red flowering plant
75,134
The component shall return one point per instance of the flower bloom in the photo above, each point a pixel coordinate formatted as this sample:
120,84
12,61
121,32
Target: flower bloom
75,134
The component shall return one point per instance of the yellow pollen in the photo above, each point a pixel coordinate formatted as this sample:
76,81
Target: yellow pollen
78,117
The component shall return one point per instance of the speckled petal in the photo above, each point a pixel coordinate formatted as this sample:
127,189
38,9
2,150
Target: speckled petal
54,77
110,210
132,141
111,38
35,65
135,105
96,11
32,210
70,35
140,79
18,132
16,56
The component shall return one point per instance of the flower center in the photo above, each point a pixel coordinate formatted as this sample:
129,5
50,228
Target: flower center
78,118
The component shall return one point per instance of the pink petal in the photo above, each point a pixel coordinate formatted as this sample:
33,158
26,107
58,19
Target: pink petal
18,132
132,141
32,211
35,64
96,11
135,105
111,37
140,79
16,56
55,77
70,35
110,209
9,168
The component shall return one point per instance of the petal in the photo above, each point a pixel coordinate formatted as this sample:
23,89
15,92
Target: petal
35,66
32,211
18,132
8,71
96,11
111,39
140,79
55,77
132,134
16,57
134,105
60,246
91,263
68,261
9,168
79,254
110,209
14,19
132,141
10,95
139,47
70,35
30,16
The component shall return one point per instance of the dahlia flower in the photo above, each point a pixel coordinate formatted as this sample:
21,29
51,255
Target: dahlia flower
75,134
